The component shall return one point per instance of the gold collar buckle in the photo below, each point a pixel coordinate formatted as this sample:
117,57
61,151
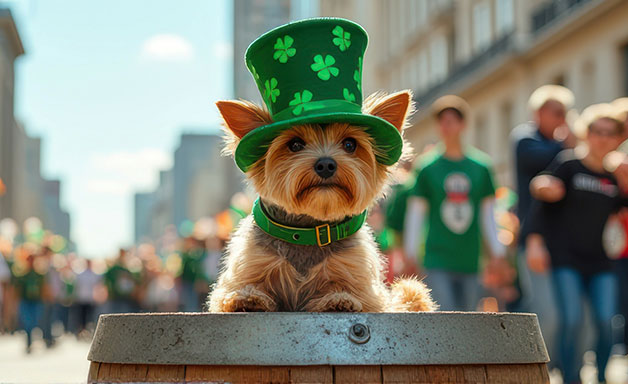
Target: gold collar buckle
327,229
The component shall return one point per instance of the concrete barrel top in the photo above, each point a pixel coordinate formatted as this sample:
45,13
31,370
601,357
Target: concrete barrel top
318,339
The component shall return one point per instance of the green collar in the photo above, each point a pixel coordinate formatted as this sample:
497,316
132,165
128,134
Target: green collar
320,235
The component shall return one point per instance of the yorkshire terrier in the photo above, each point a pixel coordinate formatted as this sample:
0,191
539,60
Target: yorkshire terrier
311,175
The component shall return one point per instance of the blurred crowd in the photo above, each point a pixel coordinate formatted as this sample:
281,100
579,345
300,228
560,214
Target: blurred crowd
61,292
556,245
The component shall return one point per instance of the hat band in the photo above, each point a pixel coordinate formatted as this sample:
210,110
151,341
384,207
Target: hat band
315,107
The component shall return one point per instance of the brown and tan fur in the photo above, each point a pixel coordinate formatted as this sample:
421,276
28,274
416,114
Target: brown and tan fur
262,273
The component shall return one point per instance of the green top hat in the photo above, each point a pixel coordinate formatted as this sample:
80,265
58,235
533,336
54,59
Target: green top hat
310,71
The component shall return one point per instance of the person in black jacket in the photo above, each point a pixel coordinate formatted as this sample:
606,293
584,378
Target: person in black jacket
536,143
621,265
566,231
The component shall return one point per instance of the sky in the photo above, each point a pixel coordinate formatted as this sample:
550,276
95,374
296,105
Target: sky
110,86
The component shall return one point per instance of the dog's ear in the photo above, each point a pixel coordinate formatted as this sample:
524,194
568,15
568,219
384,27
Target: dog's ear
241,116
394,108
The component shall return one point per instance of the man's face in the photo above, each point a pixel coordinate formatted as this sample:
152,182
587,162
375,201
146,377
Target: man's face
550,116
450,124
603,137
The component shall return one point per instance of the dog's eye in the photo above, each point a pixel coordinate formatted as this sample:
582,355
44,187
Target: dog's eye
349,145
296,144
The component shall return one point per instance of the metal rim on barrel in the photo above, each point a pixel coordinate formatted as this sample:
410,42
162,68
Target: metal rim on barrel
319,338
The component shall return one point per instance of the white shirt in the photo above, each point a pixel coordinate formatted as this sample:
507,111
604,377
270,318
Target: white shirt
84,285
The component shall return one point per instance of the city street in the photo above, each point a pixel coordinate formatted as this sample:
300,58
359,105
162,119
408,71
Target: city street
66,362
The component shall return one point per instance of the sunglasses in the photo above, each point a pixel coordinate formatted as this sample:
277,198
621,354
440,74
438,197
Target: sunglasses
603,132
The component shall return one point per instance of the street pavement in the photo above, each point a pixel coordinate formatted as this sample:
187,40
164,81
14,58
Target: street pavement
65,362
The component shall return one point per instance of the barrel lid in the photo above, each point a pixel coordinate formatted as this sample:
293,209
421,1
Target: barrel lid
318,339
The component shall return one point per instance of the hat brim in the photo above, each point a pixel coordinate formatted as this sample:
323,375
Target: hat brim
388,141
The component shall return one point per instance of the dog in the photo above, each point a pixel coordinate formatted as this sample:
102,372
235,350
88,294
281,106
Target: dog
313,176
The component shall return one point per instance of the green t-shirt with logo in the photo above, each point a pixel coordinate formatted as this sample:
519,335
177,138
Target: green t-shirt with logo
454,190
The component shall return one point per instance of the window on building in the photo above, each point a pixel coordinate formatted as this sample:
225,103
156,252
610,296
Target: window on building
505,125
392,26
403,17
481,134
391,31
423,71
422,12
398,36
396,79
504,16
414,72
405,74
625,49
451,49
438,58
587,83
413,14
481,26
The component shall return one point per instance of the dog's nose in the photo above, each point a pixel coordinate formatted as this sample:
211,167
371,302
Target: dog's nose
325,167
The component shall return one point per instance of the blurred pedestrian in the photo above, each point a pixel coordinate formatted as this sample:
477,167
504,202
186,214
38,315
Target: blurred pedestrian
64,295
215,246
395,213
29,282
51,291
566,231
160,293
122,285
454,193
384,236
192,274
621,266
85,286
5,278
536,144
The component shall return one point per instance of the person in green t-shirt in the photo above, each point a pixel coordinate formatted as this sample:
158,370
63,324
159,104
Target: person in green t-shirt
396,203
395,213
29,284
122,285
193,275
454,194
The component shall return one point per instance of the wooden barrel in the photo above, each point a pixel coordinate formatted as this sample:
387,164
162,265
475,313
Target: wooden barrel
438,347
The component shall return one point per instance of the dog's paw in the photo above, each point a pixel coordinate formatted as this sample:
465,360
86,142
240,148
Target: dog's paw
410,295
335,302
248,299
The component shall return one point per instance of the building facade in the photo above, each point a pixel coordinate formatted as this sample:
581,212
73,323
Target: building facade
251,18
26,193
10,49
493,53
32,195
200,184
204,180
55,218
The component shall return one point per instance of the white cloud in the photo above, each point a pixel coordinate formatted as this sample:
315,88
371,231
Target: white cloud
123,172
108,187
168,47
223,50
